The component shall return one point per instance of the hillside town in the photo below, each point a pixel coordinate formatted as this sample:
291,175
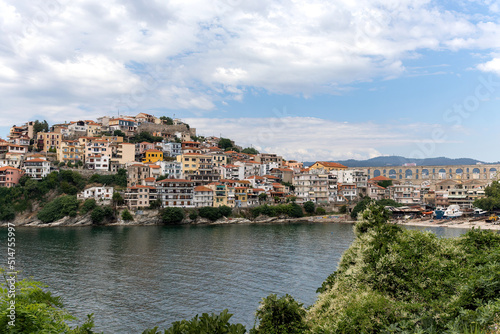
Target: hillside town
167,163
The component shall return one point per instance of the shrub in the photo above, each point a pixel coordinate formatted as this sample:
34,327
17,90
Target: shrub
193,214
101,213
309,207
58,208
213,323
37,310
225,210
280,315
126,215
210,212
172,215
295,210
320,211
7,213
343,209
88,205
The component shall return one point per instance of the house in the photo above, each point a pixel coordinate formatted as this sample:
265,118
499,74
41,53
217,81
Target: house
311,187
97,147
173,169
152,156
126,125
97,162
121,154
171,149
220,193
102,194
140,196
48,141
9,176
328,166
36,168
203,196
283,174
175,193
71,151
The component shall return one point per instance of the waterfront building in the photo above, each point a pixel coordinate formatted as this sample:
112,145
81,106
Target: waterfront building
140,196
9,176
203,196
175,193
102,194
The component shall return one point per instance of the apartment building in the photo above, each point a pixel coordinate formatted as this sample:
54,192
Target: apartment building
9,176
175,193
36,168
49,140
203,196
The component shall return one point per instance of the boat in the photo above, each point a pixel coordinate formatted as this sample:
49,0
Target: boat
479,212
439,213
453,211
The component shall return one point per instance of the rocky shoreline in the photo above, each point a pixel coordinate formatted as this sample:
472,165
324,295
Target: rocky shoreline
150,217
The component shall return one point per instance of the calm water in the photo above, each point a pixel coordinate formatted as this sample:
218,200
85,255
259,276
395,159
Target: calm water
133,278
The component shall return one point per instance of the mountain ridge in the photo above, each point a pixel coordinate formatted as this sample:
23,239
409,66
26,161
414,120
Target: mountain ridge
395,160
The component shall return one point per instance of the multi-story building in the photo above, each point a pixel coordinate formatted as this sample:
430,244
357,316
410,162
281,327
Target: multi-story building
49,140
97,147
171,149
137,173
140,196
122,153
9,176
36,168
128,126
265,158
97,162
103,194
405,193
172,169
328,166
152,156
220,193
311,187
93,128
203,196
175,193
71,151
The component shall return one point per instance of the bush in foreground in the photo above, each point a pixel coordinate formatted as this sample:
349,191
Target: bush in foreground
213,324
172,215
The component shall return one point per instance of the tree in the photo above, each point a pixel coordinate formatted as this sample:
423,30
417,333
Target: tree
282,315
119,133
88,206
209,212
167,120
385,183
492,200
309,207
320,211
172,215
249,150
361,206
343,209
225,143
262,197
295,210
225,211
117,199
126,215
58,208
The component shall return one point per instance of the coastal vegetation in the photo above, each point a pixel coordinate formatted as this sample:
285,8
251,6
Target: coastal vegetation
390,280
492,200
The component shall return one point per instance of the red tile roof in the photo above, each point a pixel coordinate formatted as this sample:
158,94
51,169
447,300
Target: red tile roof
202,188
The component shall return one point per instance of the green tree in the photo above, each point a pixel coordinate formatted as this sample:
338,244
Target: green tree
209,212
88,206
225,211
59,208
119,133
225,143
167,120
117,199
492,200
126,215
282,315
309,207
206,324
385,183
36,309
360,207
320,211
249,150
295,210
262,197
193,214
172,215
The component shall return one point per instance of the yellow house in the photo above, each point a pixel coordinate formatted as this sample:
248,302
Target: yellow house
195,162
152,156
220,194
328,166
71,151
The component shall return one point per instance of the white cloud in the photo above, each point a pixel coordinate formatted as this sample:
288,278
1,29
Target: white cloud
490,66
310,138
89,55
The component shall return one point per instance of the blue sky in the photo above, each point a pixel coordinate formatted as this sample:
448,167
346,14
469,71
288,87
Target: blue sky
310,80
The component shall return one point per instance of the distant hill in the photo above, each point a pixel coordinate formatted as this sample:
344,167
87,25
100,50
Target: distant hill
398,161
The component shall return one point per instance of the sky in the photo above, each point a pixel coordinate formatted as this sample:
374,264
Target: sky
309,80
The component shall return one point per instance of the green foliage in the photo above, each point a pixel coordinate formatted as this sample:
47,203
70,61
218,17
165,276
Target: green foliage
101,213
309,207
290,210
36,310
58,208
193,214
167,120
88,206
119,179
262,197
402,281
492,200
225,211
126,215
7,213
40,127
281,315
389,202
156,204
320,211
343,209
360,207
119,133
145,137
206,324
117,199
385,184
210,213
172,215
249,150
225,143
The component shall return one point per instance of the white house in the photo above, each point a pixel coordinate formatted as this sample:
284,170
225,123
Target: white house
100,194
